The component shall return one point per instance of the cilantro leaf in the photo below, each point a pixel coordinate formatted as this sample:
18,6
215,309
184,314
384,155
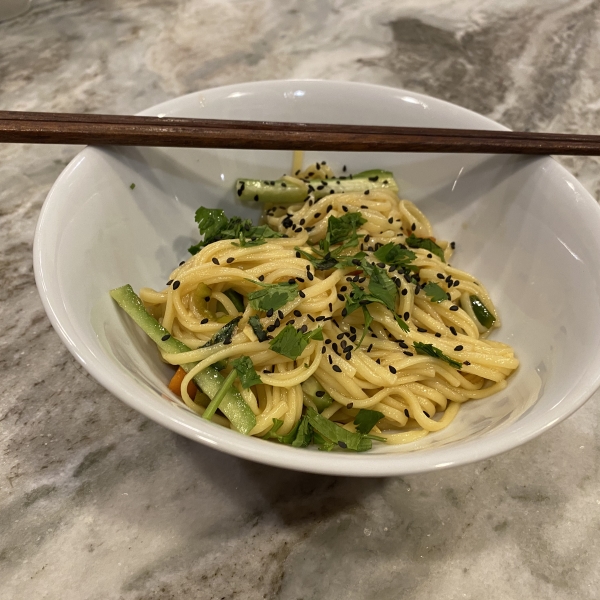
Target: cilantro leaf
365,420
246,372
210,221
272,296
427,244
214,225
383,288
303,434
255,236
368,320
288,438
291,342
224,334
435,292
431,350
393,254
335,434
385,295
258,329
402,323
341,228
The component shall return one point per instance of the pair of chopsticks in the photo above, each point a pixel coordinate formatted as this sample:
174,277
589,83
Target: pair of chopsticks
125,130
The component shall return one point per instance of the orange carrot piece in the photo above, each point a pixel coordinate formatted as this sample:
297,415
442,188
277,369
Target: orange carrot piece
175,384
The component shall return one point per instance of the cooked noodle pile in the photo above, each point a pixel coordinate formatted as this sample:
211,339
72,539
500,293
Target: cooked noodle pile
417,378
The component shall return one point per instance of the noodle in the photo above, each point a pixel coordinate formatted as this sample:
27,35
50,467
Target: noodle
416,364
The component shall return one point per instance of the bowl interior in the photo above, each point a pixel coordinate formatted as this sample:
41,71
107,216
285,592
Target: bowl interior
524,226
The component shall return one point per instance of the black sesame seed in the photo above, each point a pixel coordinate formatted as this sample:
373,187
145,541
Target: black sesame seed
454,308
169,282
297,313
421,330
277,323
230,259
298,255
452,330
311,318
341,297
440,276
335,347
344,312
301,294
328,341
370,348
206,298
270,313
426,414
271,328
407,414
261,278
367,192
466,363
329,208
290,322
182,263
345,208
406,316
216,260
392,370
337,369
456,283
280,314
403,345
344,168
164,338
304,328
342,445
452,245
348,356
300,279
429,255
404,292
330,307
176,284
458,348
226,342
413,226
350,405
310,275
330,359
408,353
438,334
317,215
291,280
391,220
204,322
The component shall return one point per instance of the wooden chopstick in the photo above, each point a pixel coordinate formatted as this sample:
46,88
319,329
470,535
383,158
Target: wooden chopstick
126,130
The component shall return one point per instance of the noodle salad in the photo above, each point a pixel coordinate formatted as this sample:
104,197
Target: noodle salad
338,321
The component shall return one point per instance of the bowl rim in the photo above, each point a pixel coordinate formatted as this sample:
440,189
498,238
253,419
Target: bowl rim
123,387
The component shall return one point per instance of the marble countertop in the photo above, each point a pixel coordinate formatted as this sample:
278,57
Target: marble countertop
96,502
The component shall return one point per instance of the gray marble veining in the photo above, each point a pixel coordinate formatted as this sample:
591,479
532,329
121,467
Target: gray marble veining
97,502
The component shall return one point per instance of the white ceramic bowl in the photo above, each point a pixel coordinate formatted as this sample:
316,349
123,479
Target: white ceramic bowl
524,226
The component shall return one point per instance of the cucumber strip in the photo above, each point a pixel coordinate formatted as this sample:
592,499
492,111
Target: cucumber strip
316,394
284,192
484,316
209,380
211,409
